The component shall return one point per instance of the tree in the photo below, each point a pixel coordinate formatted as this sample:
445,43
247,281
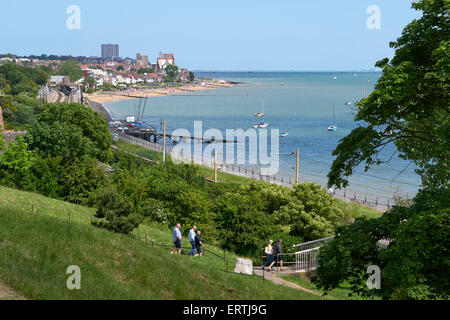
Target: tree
146,70
410,105
16,79
354,247
414,264
61,139
171,73
22,112
120,68
191,76
72,69
107,86
91,125
418,261
90,82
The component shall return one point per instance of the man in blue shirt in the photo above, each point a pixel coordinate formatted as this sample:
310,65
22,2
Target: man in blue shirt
192,240
177,239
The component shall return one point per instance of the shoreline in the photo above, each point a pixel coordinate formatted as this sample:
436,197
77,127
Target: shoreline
151,92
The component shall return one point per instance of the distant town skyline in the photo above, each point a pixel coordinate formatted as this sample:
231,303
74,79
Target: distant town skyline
233,36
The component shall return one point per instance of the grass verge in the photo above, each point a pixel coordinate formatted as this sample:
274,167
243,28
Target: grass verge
38,246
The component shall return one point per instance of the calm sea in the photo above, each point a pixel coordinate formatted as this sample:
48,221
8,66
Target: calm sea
298,102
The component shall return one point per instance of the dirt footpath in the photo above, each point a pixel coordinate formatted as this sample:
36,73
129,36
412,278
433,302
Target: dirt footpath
7,293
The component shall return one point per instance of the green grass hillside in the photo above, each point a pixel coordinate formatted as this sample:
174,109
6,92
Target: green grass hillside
38,243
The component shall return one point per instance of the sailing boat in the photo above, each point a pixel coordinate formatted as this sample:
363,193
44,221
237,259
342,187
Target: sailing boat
262,123
333,127
260,114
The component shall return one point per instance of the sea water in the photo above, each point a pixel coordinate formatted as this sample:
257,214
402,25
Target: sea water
298,102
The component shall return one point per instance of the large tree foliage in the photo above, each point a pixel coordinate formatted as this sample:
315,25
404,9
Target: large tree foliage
413,266
22,79
61,139
18,91
72,69
410,105
171,73
80,131
146,70
417,264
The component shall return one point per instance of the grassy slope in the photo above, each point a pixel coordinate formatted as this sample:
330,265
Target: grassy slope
36,249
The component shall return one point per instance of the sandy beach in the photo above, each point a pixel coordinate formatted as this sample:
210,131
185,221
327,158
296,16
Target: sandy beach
151,92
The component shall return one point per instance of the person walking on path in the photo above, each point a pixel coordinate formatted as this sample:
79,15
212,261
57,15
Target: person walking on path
176,237
269,252
277,258
199,244
192,240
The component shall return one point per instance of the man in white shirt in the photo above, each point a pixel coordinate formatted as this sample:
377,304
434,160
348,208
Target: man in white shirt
192,240
177,239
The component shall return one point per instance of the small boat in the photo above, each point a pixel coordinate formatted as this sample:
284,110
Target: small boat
260,114
261,124
333,126
284,133
334,77
348,103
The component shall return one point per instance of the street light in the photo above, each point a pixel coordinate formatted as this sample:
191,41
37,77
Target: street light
297,163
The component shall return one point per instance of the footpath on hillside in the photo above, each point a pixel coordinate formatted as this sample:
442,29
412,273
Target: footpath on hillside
7,293
279,281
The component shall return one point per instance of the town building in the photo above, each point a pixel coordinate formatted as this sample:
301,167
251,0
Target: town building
165,59
110,52
141,61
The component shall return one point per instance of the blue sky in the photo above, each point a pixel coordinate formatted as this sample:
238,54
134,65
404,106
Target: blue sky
213,35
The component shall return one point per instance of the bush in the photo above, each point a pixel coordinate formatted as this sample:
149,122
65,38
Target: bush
15,165
116,212
310,213
46,176
244,224
80,180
